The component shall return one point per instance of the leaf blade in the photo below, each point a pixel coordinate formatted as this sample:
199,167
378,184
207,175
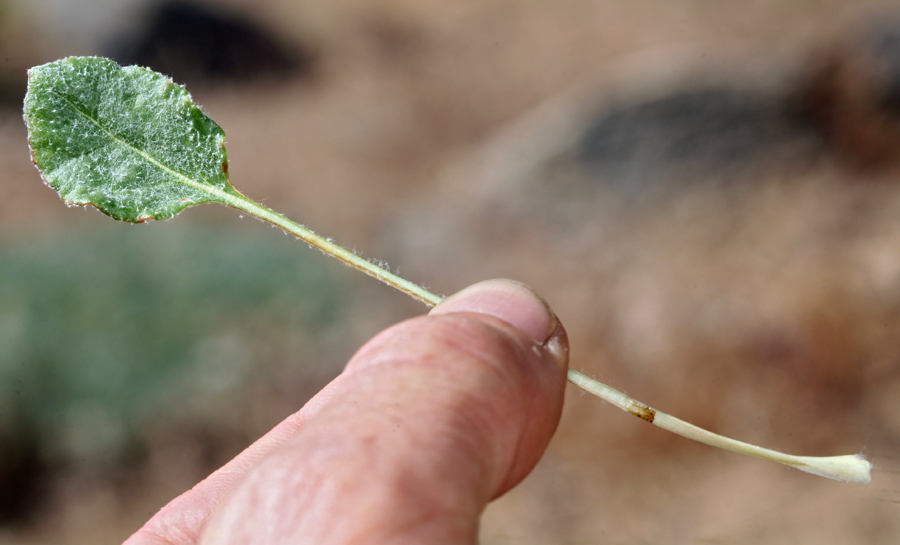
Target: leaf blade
126,140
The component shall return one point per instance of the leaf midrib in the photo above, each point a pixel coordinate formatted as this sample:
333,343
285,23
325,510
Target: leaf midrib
205,187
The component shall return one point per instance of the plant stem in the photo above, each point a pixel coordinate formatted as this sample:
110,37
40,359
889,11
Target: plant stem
348,258
850,468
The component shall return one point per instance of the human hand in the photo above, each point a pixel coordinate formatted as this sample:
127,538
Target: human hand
430,420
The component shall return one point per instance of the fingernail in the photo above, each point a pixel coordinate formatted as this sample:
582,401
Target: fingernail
511,301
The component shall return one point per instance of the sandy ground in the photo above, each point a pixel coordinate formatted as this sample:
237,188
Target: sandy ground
763,304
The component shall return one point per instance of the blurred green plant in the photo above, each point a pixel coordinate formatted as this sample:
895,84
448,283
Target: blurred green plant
104,331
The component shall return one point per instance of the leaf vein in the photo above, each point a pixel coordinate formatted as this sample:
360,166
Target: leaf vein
205,187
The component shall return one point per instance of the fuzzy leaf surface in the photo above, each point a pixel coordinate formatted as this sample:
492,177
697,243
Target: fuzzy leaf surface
124,139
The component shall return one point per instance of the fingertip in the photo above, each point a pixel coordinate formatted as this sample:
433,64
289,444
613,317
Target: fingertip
509,300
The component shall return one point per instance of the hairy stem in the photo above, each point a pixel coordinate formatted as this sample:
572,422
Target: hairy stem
348,258
850,468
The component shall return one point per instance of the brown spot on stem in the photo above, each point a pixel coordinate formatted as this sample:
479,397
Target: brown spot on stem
643,412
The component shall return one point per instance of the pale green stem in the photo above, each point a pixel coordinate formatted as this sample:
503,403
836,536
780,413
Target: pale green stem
850,468
348,258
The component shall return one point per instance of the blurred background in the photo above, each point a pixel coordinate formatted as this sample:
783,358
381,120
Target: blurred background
706,192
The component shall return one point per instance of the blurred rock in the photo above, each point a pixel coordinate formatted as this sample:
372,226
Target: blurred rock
853,93
13,84
696,134
196,43
24,480
15,54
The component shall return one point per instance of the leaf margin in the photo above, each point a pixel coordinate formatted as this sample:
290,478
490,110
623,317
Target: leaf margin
101,80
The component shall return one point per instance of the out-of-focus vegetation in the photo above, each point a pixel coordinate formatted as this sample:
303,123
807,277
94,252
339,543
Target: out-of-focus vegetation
104,332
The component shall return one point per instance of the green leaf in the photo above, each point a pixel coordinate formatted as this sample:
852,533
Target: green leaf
124,139
133,144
